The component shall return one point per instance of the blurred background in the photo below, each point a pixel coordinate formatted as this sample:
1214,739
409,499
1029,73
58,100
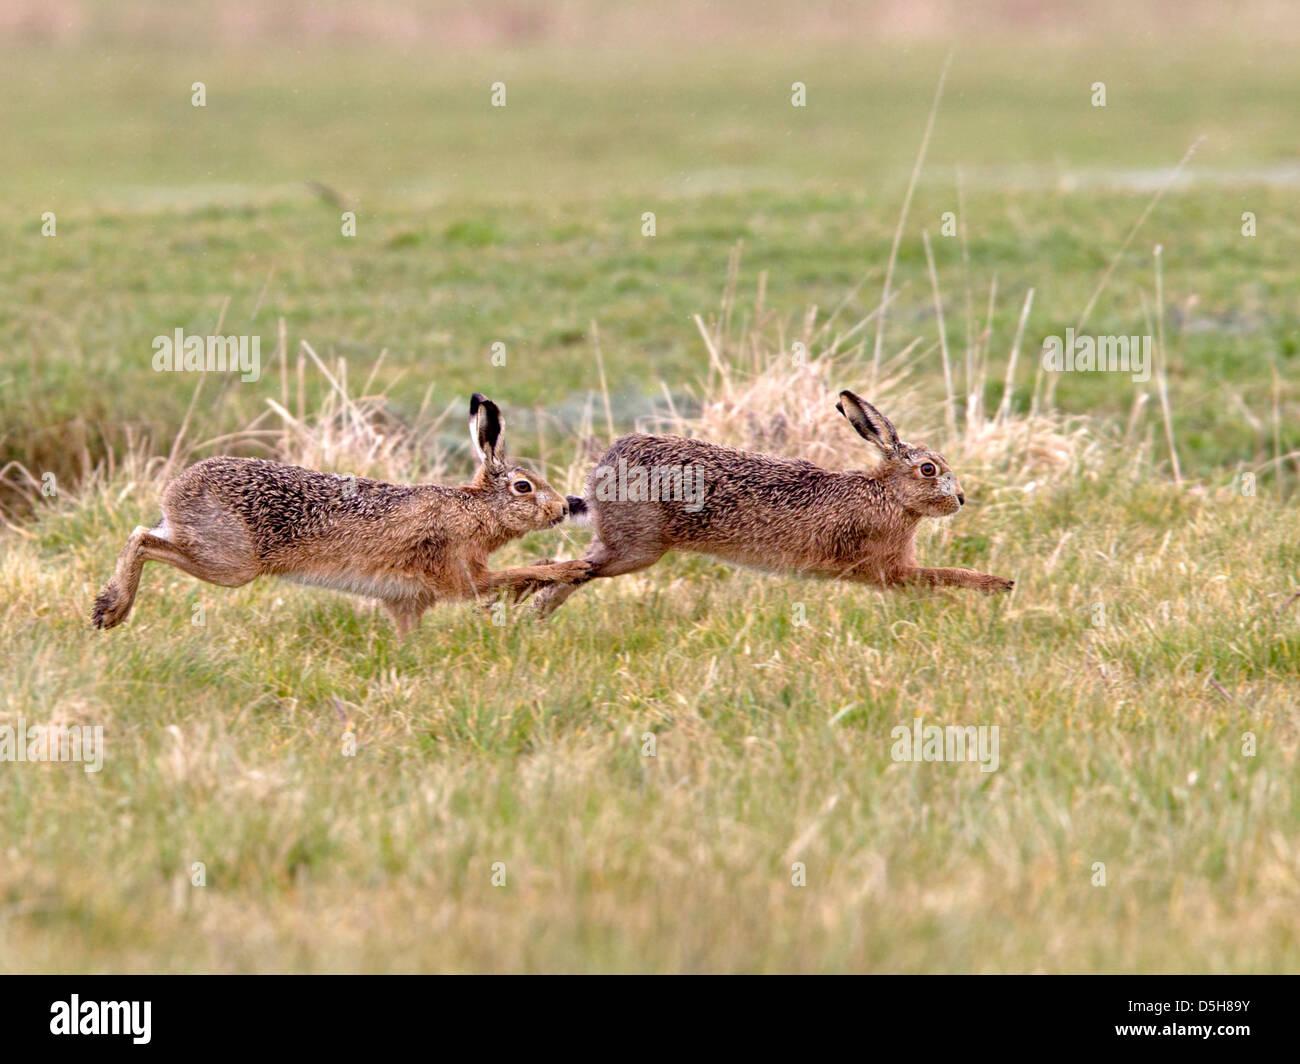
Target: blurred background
523,224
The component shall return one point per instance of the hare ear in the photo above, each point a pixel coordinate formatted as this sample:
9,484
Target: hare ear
485,431
870,423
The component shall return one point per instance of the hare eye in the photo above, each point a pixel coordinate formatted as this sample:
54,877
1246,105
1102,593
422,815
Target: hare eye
928,469
521,487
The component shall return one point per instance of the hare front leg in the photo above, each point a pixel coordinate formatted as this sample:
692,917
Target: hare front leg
526,579
948,577
405,613
630,558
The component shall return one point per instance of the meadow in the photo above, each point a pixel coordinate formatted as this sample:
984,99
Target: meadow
636,784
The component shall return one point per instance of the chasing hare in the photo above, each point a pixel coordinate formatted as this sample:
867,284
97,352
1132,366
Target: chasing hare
229,520
770,513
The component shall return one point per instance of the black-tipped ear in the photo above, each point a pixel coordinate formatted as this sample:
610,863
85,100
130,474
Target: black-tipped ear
485,430
869,422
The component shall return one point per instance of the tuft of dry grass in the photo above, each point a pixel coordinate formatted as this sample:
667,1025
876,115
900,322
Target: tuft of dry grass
775,391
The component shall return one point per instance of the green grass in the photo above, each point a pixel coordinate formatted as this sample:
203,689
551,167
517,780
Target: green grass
1120,743
525,745
523,225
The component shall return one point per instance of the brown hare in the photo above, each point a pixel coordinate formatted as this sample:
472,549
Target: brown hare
229,520
652,494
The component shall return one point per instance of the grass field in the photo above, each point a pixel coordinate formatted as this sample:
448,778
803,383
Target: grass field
1144,676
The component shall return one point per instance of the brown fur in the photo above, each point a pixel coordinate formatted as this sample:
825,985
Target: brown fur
780,513
230,520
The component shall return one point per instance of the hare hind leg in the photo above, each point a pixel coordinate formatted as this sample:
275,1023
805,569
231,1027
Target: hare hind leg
603,562
114,602
147,545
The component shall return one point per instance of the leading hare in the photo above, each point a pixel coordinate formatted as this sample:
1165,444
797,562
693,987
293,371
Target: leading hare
652,494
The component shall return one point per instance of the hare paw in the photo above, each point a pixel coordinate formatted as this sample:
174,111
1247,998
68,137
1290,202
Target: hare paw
574,572
108,611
